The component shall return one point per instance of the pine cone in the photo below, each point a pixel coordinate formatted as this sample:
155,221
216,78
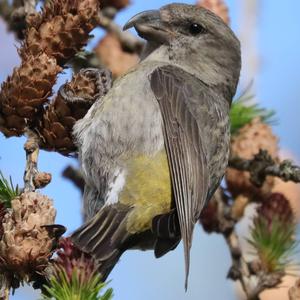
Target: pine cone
276,207
52,38
112,56
249,140
218,7
23,94
273,233
70,258
25,246
209,217
3,212
71,104
118,4
75,275
62,30
291,191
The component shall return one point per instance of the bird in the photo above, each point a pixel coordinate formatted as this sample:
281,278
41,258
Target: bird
154,149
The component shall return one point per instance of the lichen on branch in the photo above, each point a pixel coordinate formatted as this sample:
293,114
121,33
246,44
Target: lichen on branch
262,165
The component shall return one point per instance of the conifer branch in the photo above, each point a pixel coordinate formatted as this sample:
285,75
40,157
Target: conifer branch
263,165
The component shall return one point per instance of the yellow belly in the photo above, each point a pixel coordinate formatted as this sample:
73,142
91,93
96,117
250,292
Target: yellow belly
147,190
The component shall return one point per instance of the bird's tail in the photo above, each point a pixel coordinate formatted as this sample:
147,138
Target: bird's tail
104,237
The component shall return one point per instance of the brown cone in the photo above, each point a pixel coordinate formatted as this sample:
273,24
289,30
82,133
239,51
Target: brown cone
112,56
276,207
3,212
71,104
70,258
291,191
216,6
251,138
118,4
23,94
273,233
52,38
62,30
209,217
25,246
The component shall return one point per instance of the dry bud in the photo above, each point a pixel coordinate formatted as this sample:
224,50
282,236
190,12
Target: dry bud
40,180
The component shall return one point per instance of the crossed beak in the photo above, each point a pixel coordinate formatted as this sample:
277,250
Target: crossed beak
149,26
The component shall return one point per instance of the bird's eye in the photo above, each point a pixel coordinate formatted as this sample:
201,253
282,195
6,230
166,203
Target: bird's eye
196,29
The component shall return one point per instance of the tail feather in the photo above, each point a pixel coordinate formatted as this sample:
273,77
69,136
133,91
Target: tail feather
167,231
103,237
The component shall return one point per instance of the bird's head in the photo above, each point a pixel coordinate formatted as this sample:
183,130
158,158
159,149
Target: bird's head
193,38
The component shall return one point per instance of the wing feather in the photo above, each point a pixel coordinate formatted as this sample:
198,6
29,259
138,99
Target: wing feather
184,147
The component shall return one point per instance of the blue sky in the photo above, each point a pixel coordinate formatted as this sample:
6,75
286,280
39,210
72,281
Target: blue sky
139,275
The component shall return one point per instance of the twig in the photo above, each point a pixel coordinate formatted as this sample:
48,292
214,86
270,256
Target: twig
4,288
31,148
265,281
75,176
263,165
29,6
15,14
294,292
241,270
6,294
33,179
129,42
5,10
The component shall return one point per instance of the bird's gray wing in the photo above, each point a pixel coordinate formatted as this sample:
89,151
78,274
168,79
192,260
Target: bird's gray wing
178,93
